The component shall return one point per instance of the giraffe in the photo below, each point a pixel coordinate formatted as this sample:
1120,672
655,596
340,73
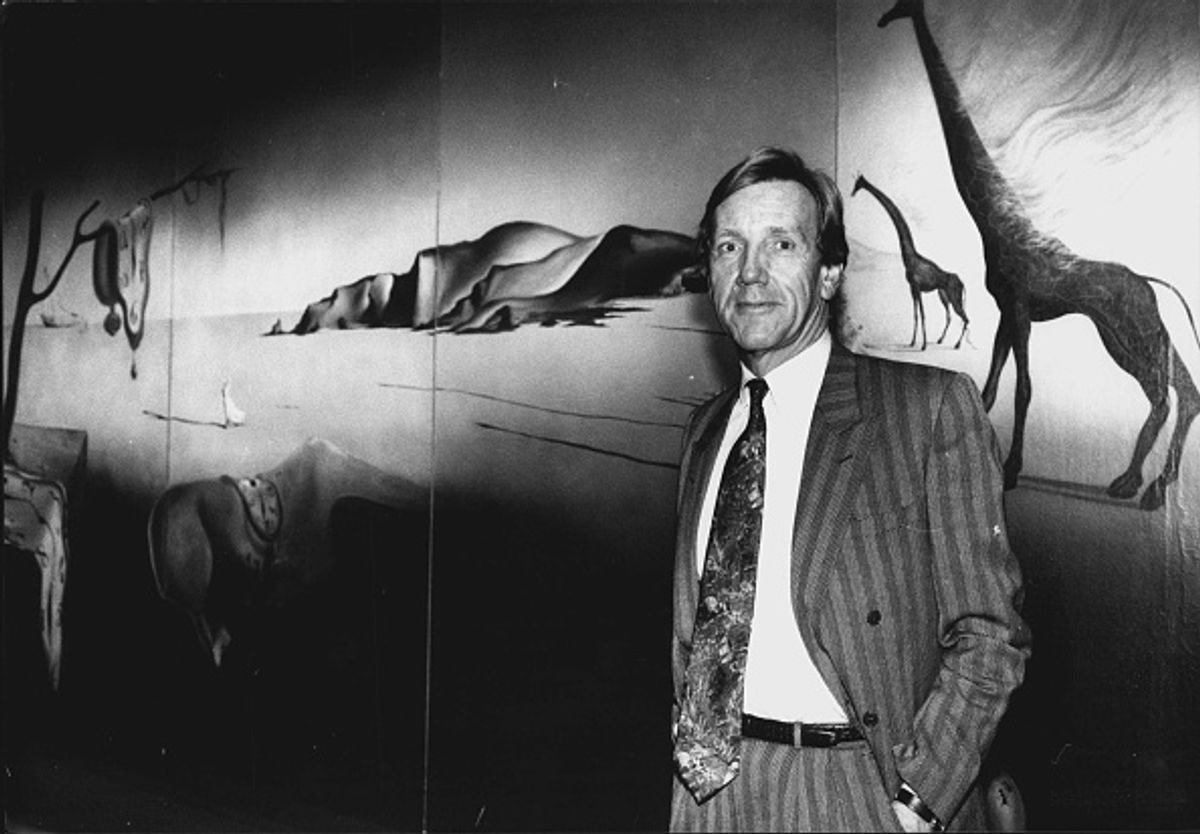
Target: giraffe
922,274
1035,277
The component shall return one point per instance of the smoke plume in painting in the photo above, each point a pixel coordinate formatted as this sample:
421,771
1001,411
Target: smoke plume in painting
1069,93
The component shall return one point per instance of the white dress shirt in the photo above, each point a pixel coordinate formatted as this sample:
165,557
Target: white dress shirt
781,680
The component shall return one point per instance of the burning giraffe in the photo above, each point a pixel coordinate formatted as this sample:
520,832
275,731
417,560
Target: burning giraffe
1035,277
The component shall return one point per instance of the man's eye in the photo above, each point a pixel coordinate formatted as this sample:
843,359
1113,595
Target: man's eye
785,244
726,247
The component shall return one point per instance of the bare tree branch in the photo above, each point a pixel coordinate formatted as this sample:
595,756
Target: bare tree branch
78,239
217,178
24,302
28,295
196,175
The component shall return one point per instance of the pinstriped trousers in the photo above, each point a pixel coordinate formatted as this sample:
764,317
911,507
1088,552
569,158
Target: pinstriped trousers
782,788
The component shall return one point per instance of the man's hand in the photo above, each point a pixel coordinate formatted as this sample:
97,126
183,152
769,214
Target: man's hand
909,820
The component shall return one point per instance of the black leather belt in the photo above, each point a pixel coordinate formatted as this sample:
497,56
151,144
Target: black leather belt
797,734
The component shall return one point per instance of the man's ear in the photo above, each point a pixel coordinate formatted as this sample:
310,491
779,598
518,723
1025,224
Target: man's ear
828,281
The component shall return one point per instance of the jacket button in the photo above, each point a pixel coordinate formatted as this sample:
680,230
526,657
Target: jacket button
874,617
870,719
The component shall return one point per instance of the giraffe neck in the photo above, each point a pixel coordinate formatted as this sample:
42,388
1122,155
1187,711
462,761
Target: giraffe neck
982,187
902,230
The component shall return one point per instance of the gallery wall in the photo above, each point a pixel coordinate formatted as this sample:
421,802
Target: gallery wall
1090,113
489,650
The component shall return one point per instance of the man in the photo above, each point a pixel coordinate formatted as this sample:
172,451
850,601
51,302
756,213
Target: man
846,636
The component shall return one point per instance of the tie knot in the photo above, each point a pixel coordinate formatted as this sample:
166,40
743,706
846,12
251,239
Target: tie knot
758,390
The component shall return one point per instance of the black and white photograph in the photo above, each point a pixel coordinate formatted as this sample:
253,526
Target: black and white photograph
601,415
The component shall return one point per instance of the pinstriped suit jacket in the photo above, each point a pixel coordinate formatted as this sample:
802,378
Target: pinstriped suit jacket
904,586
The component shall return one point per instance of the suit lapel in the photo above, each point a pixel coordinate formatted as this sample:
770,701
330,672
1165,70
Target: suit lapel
834,463
698,470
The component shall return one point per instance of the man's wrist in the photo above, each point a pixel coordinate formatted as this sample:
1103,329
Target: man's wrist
908,797
909,822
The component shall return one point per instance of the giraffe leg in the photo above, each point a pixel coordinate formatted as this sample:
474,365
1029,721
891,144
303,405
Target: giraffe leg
1187,407
1134,336
956,298
921,309
1128,482
1000,351
946,309
916,304
1012,466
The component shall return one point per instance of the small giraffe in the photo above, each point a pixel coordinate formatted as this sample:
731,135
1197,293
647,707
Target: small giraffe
1035,277
922,274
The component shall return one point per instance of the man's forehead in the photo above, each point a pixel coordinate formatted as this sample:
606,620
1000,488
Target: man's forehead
773,203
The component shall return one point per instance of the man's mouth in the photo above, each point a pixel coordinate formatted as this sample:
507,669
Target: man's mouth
754,306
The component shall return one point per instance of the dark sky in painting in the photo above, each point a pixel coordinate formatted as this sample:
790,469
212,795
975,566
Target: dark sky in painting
594,113
361,133
93,80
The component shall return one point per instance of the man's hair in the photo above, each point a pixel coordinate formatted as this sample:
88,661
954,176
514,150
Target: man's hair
781,164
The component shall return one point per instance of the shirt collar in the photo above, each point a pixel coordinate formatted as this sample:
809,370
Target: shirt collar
796,383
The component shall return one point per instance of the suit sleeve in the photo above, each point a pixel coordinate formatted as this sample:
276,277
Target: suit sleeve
678,651
984,642
700,418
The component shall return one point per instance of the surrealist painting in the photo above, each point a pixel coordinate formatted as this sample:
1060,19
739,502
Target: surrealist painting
348,350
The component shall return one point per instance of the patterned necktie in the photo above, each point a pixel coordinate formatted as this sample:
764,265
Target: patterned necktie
708,736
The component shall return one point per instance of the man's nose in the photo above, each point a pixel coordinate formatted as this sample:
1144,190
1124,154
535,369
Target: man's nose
752,271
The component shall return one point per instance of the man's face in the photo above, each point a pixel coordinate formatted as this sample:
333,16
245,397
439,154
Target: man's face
766,283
